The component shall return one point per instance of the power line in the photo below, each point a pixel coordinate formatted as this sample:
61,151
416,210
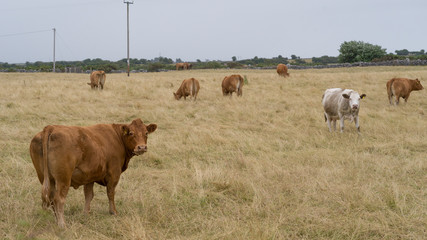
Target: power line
24,33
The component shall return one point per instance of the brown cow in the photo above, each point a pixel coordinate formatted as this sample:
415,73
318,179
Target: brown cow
97,79
180,66
282,70
67,156
183,66
188,66
233,83
189,87
402,87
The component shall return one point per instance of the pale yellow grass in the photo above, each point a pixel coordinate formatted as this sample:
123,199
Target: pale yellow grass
263,166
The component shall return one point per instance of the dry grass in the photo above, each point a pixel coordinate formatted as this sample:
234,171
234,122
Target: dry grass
263,166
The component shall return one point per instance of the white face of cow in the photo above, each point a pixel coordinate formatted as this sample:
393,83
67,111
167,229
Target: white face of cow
353,99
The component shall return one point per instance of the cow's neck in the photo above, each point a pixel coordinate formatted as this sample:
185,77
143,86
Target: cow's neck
128,153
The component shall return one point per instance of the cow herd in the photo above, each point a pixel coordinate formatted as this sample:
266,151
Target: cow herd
341,104
65,156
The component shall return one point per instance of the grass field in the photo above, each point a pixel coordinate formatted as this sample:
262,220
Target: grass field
263,166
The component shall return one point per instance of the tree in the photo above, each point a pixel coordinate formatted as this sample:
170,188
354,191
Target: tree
234,58
358,51
324,60
294,57
403,52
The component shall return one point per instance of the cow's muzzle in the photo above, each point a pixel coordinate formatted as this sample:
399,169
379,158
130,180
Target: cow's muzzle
355,107
140,149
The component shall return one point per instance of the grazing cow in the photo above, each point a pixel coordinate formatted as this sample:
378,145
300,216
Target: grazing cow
183,66
341,104
402,87
97,79
233,83
180,66
67,156
282,70
188,66
189,87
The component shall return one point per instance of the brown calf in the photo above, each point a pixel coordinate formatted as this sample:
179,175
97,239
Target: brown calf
189,87
233,83
97,79
402,87
282,70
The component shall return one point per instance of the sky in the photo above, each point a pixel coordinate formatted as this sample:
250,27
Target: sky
205,30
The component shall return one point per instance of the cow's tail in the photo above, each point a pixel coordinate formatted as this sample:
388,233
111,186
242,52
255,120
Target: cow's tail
324,114
389,88
240,85
193,87
47,131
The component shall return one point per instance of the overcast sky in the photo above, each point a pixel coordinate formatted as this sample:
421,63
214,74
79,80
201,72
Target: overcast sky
201,29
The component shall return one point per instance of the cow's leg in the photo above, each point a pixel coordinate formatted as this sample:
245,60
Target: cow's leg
328,120
341,122
59,202
334,122
390,99
406,98
397,100
356,122
102,82
111,187
88,190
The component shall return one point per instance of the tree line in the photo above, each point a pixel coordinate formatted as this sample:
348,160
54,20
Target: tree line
350,52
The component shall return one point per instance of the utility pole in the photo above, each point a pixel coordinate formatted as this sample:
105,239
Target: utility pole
127,3
54,33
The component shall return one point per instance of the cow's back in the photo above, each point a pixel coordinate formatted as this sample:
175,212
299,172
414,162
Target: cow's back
282,70
233,82
330,101
88,149
401,87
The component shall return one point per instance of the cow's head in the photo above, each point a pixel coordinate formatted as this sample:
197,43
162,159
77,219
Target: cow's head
135,136
353,99
417,85
177,96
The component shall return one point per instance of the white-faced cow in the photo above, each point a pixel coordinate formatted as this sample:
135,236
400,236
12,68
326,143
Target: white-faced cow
341,104
67,156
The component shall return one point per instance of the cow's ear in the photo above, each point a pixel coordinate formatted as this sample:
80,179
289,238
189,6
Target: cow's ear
345,95
151,128
362,96
125,130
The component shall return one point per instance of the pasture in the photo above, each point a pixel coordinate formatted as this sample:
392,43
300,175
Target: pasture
263,166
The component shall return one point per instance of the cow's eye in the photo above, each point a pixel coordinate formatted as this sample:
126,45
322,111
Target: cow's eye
130,133
146,134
